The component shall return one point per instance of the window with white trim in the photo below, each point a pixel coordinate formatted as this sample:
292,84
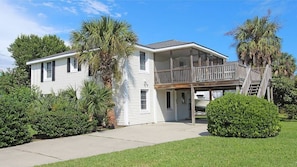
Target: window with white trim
143,61
48,71
72,64
143,99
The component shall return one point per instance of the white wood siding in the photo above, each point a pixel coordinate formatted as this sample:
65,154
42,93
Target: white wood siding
138,80
63,80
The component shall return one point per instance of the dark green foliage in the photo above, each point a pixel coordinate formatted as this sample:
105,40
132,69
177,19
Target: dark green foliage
58,115
236,115
60,123
29,47
284,91
291,110
285,95
95,100
14,119
13,78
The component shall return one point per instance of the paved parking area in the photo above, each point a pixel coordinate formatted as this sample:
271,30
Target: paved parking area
61,149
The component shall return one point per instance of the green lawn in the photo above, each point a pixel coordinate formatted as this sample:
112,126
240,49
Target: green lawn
205,151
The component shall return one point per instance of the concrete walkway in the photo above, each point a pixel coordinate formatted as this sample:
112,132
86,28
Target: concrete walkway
61,149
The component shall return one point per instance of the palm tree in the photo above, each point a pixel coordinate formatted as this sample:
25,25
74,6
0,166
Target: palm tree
285,65
256,41
102,44
95,99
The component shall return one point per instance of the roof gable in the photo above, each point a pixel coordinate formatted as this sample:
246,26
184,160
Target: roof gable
165,44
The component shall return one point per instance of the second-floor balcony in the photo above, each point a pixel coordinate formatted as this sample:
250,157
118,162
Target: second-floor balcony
227,71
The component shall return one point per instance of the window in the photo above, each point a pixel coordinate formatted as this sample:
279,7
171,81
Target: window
72,64
142,61
143,99
168,99
48,71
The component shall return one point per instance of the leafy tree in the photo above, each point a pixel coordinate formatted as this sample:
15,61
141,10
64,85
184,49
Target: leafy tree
256,41
29,47
13,78
284,91
285,65
106,41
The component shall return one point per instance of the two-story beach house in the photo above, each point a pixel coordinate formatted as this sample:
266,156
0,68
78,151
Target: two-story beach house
159,80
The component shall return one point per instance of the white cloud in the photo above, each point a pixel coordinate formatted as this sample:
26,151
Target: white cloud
41,15
70,9
117,15
15,23
48,4
95,7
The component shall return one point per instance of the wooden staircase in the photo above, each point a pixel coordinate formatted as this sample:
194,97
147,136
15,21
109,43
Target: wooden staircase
254,88
256,83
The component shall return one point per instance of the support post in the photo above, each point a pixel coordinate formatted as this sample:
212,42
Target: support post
268,93
237,89
210,95
271,94
193,105
171,67
191,62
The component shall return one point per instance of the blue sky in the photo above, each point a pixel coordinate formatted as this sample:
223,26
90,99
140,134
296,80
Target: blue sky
202,21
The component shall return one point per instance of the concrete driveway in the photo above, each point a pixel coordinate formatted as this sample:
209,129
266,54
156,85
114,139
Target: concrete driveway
61,149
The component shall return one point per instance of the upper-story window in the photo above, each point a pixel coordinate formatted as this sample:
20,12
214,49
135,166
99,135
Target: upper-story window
48,71
143,61
73,65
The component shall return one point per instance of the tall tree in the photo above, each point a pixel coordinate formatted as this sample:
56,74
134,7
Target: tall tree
29,47
285,65
256,41
102,44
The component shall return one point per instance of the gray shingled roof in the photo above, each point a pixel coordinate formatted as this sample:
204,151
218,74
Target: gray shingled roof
165,44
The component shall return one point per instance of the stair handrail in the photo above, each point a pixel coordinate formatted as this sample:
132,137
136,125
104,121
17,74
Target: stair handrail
247,82
265,80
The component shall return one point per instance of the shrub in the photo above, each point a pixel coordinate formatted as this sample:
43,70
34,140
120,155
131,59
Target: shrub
291,110
236,115
14,128
52,124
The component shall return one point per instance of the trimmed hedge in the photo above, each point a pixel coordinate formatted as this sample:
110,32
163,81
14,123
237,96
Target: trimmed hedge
236,115
53,124
14,128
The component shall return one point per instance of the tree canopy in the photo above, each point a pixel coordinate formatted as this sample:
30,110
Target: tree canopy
285,65
256,41
102,43
29,47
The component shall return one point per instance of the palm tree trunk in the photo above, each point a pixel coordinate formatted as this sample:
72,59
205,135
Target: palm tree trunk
110,113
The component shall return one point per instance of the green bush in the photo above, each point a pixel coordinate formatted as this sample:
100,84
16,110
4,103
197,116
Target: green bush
53,124
14,128
236,115
291,110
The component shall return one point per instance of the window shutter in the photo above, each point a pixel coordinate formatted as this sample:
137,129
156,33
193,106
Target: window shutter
41,70
68,64
79,66
53,70
90,71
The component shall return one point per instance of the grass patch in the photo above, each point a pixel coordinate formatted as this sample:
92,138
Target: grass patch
204,151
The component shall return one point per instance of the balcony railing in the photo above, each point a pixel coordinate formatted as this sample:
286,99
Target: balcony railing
228,71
